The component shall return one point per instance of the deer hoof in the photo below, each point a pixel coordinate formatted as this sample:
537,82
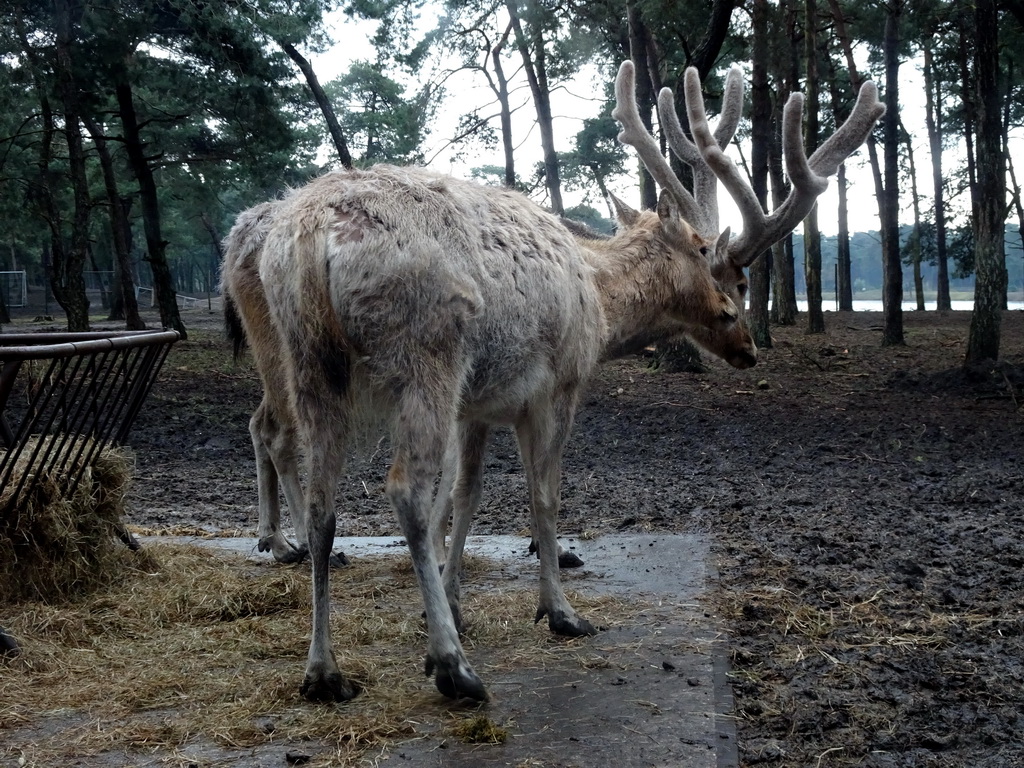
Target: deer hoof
338,560
567,625
567,559
328,688
456,679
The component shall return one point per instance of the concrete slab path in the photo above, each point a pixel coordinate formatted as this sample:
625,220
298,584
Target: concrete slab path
659,698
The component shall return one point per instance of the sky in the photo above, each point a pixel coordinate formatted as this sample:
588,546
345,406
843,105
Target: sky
580,98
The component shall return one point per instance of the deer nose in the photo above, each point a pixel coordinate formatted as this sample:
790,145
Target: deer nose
744,359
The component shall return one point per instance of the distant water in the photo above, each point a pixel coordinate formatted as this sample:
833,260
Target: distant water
908,306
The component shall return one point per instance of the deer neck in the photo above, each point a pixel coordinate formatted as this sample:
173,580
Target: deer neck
634,289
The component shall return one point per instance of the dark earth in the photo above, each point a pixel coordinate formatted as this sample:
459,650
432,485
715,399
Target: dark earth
867,505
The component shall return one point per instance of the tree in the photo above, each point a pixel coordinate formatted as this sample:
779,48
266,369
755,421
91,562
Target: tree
812,235
892,283
120,229
761,141
596,156
382,122
531,43
990,209
913,243
786,71
933,121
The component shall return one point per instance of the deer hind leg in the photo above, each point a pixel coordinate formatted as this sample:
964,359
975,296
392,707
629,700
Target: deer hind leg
542,438
464,499
323,433
421,432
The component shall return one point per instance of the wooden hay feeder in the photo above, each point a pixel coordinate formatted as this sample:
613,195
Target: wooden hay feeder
65,398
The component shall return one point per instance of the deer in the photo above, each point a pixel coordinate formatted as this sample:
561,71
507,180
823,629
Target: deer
444,308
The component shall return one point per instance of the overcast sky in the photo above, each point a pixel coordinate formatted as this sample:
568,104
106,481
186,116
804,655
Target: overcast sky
578,100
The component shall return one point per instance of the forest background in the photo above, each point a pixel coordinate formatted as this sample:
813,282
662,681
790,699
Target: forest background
132,133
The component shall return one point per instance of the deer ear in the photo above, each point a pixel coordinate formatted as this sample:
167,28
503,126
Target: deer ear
626,216
672,223
667,208
722,246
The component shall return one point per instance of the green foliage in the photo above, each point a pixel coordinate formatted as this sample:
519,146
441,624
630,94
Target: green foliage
590,216
382,124
595,157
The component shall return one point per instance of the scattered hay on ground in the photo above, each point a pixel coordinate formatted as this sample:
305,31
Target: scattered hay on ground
62,540
209,648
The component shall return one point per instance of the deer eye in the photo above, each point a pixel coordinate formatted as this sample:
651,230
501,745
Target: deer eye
703,250
742,288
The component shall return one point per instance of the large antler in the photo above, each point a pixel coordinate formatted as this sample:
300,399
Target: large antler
705,183
809,178
636,135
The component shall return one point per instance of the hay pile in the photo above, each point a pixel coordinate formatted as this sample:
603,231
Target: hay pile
62,539
205,654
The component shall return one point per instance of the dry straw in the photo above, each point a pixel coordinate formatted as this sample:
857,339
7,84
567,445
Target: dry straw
206,650
62,540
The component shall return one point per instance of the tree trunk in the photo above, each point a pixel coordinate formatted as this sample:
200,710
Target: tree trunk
989,262
970,108
933,120
535,67
163,281
892,267
784,308
812,235
501,91
706,53
915,235
844,266
333,126
124,306
844,279
645,98
856,79
70,290
1019,206
761,139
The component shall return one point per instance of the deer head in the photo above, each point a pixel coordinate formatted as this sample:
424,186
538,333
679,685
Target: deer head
706,157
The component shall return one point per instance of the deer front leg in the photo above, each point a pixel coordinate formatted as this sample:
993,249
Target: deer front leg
541,441
465,500
441,514
276,449
263,427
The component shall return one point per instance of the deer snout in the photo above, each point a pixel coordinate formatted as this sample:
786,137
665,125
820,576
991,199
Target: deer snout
745,358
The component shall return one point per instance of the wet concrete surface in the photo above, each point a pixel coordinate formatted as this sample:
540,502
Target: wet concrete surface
651,694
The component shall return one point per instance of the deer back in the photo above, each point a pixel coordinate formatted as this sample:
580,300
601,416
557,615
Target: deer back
391,275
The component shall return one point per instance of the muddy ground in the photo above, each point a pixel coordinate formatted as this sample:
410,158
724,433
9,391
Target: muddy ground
867,504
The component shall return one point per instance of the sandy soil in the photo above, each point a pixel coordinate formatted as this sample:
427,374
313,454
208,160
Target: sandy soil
867,504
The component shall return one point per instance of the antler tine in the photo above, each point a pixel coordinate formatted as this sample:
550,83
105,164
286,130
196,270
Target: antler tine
836,148
636,135
809,177
718,162
705,183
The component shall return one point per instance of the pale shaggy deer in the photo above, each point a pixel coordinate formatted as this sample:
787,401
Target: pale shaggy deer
453,307
272,427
